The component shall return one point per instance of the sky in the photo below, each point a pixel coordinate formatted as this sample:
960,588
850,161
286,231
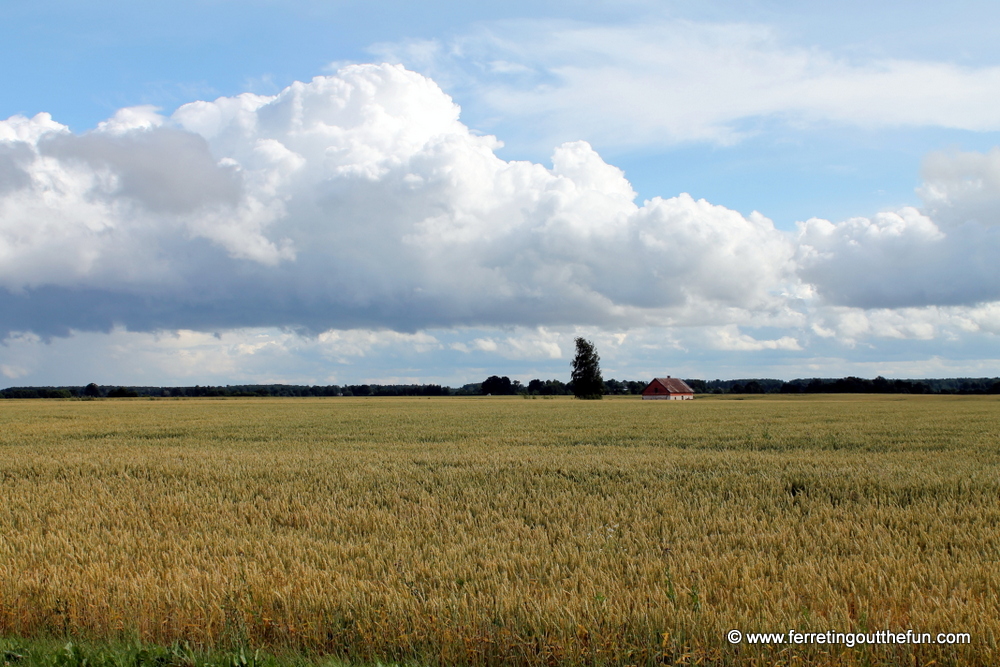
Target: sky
225,192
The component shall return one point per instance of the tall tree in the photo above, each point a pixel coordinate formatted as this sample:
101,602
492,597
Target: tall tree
587,380
498,386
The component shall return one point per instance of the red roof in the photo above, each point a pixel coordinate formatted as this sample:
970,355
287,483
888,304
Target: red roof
668,385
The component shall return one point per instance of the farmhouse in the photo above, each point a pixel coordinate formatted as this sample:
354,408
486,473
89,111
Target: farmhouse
669,389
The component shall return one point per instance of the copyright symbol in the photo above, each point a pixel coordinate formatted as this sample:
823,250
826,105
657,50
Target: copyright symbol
734,636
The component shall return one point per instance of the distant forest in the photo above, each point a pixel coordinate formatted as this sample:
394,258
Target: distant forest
499,386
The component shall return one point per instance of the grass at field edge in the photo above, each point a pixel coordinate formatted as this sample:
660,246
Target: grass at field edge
63,652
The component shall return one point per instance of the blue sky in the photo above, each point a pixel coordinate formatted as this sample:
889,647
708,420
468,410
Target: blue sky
705,189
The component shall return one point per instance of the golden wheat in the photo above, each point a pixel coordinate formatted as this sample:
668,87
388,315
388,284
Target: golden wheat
505,531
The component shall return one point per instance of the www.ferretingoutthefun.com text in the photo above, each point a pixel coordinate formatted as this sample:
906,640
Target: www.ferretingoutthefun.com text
848,638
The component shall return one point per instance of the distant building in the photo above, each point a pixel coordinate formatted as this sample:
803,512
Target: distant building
668,389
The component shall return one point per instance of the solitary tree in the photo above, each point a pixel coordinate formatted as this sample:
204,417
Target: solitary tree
587,380
498,386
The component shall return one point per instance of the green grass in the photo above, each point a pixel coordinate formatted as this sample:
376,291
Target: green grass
19,652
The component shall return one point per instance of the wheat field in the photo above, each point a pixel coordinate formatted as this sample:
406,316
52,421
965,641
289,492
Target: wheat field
489,531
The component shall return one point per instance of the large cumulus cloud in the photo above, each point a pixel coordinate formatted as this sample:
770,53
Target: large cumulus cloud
944,254
354,200
361,201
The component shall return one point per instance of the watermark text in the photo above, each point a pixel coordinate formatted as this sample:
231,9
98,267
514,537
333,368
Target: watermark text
848,638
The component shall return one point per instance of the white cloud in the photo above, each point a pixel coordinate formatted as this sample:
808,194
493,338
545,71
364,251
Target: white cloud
538,343
12,372
665,81
344,346
482,345
451,357
145,117
354,216
732,339
852,326
354,201
184,357
943,254
985,317
961,187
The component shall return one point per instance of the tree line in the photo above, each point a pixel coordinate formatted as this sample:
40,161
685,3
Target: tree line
504,386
